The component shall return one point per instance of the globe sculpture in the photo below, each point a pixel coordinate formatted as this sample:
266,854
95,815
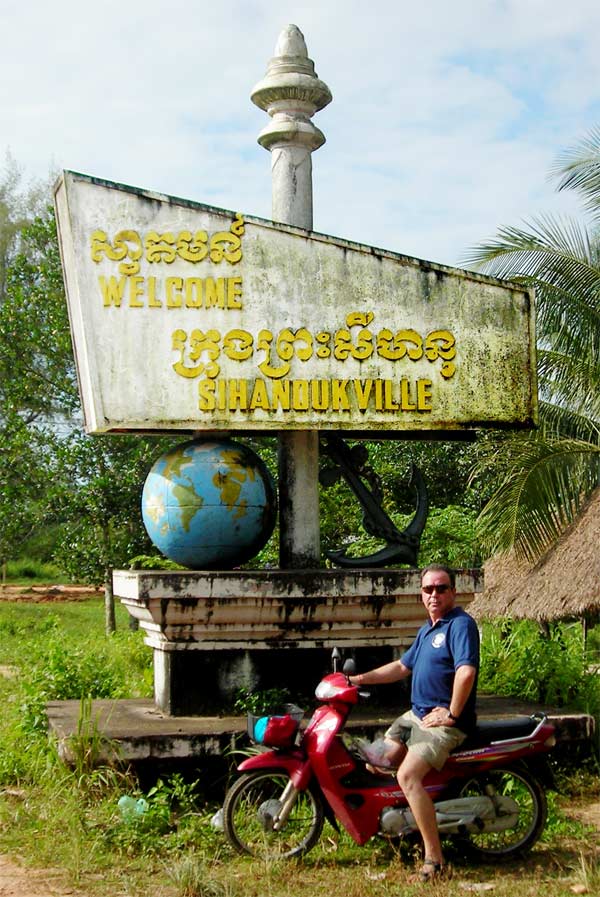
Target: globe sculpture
209,504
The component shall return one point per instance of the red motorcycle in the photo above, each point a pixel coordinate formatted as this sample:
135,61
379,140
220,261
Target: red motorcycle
486,795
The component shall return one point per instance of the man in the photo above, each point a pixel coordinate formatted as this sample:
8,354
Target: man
443,662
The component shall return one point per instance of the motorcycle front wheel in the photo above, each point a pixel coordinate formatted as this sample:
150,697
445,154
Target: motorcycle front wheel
250,812
513,842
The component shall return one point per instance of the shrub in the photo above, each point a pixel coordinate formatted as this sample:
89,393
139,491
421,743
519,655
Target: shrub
152,562
32,569
518,660
64,671
248,701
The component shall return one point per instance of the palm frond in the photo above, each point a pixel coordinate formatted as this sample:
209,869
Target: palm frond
549,472
578,168
567,318
562,422
557,250
567,290
542,493
571,381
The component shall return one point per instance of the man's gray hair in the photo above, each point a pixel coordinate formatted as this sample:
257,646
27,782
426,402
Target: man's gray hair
440,568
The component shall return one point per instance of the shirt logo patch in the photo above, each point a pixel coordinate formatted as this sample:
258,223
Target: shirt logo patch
438,640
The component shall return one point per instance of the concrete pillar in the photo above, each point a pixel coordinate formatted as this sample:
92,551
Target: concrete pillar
291,93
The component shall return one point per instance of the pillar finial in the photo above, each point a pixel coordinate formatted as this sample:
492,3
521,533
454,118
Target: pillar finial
291,93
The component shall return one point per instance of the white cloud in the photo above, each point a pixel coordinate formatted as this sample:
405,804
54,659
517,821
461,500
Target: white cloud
445,117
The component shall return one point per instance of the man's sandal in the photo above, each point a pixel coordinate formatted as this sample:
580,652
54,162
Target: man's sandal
431,871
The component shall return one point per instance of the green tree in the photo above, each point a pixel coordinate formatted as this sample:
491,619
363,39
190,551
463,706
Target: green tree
450,530
22,480
95,496
18,206
550,472
37,372
50,472
31,333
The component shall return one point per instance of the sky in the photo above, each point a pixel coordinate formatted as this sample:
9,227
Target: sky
446,116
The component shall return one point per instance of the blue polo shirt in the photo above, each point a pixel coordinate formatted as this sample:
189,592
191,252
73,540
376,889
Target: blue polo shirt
437,652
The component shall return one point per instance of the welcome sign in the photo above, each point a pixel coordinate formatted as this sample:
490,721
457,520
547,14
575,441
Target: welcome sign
188,317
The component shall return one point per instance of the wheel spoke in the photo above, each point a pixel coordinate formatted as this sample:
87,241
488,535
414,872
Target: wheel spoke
523,832
251,812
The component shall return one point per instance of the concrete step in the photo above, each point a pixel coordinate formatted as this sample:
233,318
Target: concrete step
136,731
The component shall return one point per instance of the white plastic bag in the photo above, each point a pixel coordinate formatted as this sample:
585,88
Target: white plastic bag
376,752
217,820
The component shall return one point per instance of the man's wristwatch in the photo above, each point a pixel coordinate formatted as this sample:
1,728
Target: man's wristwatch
452,717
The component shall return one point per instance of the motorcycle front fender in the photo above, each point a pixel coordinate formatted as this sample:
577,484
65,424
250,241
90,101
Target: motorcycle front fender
295,764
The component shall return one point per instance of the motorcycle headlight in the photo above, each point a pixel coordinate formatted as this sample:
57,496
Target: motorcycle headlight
325,691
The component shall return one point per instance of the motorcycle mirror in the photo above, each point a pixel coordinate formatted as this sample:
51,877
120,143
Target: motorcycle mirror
349,667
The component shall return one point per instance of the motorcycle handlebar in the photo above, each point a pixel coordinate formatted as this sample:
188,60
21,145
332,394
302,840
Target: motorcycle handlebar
349,668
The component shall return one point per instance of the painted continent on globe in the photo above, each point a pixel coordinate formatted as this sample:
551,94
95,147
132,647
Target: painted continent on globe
209,504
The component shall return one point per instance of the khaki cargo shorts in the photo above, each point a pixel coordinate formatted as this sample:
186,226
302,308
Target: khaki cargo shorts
431,744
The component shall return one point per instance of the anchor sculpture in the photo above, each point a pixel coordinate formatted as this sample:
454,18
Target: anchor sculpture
402,547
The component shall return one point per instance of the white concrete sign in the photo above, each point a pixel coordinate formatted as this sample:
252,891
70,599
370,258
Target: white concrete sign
187,317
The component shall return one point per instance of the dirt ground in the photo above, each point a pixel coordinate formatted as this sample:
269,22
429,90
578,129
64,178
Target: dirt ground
589,814
46,593
17,881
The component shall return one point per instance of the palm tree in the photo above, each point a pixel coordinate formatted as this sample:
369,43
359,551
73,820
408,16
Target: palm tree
551,471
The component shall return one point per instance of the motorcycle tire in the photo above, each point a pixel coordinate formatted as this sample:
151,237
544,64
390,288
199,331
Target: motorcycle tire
519,784
247,819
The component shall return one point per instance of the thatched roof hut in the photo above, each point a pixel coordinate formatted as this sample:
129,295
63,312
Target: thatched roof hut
563,584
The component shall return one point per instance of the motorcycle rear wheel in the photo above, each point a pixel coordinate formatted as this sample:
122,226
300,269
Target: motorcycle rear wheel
247,817
521,786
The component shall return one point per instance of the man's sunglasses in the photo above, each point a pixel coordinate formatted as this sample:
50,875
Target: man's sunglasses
429,590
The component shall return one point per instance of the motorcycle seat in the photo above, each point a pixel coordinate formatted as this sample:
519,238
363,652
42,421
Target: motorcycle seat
489,731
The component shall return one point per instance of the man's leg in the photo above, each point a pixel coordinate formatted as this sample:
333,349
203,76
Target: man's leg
389,759
411,773
395,752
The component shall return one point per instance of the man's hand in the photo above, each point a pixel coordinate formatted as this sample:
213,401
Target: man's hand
437,717
388,673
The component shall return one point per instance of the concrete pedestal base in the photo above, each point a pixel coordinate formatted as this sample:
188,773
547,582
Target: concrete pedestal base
214,632
189,683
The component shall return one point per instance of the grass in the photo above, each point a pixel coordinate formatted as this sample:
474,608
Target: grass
170,849
24,625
